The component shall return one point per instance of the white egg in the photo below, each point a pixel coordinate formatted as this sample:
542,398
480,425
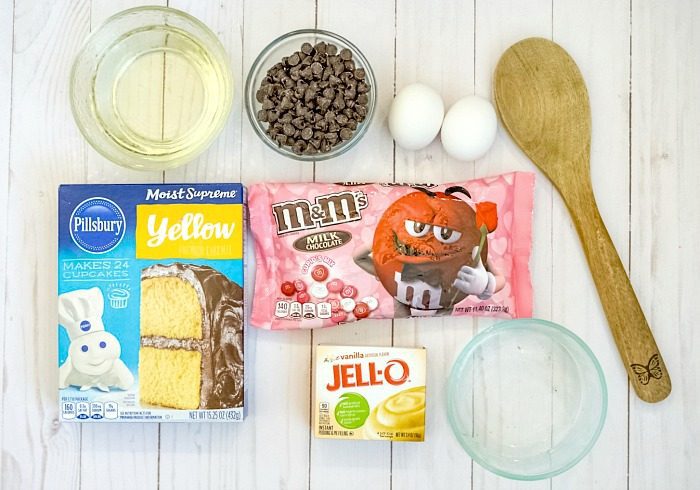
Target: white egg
415,116
469,128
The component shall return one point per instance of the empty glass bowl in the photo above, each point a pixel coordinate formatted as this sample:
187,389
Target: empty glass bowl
151,88
285,46
527,399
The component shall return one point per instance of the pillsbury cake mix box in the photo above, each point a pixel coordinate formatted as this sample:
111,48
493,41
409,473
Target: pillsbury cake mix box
150,302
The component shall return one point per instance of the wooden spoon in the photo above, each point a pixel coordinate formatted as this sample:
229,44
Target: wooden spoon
543,103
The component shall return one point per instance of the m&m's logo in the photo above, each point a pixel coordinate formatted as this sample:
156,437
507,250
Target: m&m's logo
97,225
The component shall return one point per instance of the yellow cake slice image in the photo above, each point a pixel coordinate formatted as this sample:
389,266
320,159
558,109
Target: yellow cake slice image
191,353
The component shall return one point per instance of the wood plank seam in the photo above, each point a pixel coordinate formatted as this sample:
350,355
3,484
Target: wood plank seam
629,216
5,222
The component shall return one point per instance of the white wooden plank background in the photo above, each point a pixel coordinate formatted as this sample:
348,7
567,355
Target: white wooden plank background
641,63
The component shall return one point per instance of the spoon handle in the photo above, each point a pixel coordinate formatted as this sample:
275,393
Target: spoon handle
645,366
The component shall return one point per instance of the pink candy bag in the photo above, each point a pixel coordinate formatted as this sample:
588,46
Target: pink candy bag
333,253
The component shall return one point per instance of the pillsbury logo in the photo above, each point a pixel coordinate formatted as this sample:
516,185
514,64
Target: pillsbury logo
85,325
97,225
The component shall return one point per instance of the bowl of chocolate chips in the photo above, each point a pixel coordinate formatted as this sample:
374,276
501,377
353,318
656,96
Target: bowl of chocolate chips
310,95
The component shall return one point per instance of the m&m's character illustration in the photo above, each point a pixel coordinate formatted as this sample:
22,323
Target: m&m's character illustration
430,251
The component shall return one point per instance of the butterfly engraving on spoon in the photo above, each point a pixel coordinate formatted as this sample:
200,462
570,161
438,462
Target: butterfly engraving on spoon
651,370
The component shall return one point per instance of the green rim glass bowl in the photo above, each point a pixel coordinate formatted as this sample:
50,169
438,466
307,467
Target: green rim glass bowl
527,399
151,88
284,46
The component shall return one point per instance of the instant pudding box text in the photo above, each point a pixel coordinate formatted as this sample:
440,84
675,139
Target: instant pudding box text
374,393
150,302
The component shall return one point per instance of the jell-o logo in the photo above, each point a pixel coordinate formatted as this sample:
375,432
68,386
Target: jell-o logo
395,373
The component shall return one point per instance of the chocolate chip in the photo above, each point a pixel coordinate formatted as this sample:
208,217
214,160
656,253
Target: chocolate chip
299,147
323,103
339,102
286,103
313,99
298,122
327,72
288,129
309,94
306,48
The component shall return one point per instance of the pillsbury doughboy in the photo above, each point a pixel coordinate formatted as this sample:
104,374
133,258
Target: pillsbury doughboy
93,355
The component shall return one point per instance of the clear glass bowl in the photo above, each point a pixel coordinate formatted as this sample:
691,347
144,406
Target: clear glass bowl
527,399
284,46
151,88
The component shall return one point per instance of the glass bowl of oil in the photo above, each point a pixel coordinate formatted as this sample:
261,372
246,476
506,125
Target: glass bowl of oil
151,88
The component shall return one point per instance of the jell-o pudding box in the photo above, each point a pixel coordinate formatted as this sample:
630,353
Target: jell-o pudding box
150,303
371,393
